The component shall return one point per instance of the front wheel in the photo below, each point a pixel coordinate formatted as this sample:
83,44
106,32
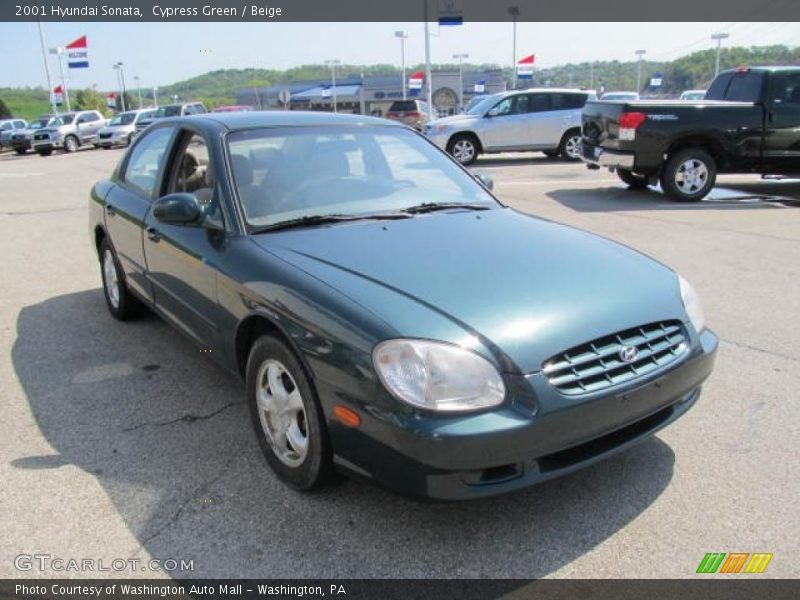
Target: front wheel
570,146
286,416
634,182
71,144
689,175
20,151
463,148
45,152
121,303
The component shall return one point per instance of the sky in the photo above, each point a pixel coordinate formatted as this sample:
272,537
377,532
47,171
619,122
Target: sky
163,53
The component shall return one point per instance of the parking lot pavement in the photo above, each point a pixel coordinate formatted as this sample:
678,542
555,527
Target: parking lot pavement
122,440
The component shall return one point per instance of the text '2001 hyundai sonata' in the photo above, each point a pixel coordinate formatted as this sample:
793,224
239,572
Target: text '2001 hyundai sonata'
390,317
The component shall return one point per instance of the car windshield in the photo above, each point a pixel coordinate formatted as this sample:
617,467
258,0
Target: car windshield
63,120
169,111
123,119
296,172
484,105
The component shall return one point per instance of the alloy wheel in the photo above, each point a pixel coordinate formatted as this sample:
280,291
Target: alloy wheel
282,413
110,279
691,176
573,147
464,151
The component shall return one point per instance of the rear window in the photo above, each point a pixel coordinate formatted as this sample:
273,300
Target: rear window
567,101
403,106
737,87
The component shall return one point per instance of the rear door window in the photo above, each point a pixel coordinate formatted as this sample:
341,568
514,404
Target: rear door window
745,87
567,101
144,165
718,87
539,102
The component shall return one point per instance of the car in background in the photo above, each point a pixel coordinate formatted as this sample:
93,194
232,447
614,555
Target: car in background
620,97
121,128
8,127
179,109
693,95
414,113
475,100
544,119
69,131
21,139
233,108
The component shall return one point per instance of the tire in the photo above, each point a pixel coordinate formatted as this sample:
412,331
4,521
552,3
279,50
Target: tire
20,151
551,153
570,146
305,463
464,148
71,144
689,175
634,182
122,305
46,152
130,140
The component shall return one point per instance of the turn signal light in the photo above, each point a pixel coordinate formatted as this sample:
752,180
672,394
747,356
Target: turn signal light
347,416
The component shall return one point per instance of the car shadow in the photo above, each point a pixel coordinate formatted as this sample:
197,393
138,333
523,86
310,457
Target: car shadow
618,198
167,436
517,160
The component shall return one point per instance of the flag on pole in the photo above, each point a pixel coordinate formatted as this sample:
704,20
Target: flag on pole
656,80
326,91
480,86
415,80
525,67
111,100
58,95
78,54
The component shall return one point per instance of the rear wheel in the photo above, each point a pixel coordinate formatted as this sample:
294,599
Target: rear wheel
689,175
463,148
634,182
570,147
45,152
121,303
20,151
71,144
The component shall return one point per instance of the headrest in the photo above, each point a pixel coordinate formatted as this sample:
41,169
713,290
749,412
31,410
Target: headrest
330,159
242,169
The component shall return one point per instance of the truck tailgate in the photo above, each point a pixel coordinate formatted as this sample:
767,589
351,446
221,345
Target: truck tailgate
600,123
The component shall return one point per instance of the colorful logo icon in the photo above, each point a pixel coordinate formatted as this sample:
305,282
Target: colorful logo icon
734,562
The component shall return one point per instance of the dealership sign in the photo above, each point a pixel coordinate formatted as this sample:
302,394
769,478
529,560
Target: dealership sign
111,100
480,86
78,54
57,96
525,67
415,80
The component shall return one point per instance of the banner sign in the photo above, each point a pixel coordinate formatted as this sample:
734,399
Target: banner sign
326,91
450,12
78,54
58,95
525,67
480,86
111,100
415,80
656,80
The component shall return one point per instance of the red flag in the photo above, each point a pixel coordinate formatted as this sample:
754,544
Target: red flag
79,43
58,89
528,60
417,75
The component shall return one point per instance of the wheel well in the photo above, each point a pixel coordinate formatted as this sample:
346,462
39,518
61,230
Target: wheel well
252,328
476,140
99,236
710,145
569,132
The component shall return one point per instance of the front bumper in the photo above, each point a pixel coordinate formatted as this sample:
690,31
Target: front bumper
602,157
440,139
539,435
21,144
47,144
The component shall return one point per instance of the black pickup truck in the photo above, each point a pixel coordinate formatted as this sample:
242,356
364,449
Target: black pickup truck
749,122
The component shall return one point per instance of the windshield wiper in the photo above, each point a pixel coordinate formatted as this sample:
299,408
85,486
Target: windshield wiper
314,220
426,207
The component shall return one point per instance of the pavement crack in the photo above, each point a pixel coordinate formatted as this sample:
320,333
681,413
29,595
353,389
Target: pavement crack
22,213
187,418
762,350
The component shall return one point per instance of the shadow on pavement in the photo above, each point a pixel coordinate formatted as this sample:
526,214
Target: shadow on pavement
167,436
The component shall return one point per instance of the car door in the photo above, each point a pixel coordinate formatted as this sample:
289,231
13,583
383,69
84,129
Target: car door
782,128
137,182
88,124
182,260
505,126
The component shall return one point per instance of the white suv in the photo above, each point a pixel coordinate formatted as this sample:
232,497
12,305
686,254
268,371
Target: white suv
543,119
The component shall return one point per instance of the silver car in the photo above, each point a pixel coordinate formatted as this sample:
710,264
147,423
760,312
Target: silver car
121,129
8,127
69,132
545,119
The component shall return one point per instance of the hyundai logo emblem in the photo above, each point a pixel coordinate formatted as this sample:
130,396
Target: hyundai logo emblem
628,354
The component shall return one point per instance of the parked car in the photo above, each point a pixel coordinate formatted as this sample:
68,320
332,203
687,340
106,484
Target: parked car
547,120
21,139
8,127
69,131
475,100
749,122
414,113
121,128
620,97
181,109
234,108
247,232
693,95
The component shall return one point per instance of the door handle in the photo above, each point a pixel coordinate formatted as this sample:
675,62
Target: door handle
153,235
110,210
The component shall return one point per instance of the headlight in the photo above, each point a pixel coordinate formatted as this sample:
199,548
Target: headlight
437,376
691,301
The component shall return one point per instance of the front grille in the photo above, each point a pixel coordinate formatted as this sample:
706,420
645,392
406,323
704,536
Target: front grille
598,364
105,136
41,136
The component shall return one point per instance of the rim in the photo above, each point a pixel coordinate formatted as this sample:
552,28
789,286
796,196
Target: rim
573,147
110,279
282,413
691,176
463,150
71,145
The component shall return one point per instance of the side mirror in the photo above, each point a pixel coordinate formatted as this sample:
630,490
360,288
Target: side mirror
486,180
177,209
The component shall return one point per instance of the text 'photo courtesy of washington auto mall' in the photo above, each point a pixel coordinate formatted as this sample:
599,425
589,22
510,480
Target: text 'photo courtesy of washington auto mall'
440,298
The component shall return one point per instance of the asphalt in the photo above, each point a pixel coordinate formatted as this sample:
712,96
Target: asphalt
123,441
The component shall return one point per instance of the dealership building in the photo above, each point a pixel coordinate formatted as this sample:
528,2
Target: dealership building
371,95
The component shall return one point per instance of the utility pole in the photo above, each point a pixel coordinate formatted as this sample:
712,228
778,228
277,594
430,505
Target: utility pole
460,58
719,37
591,76
138,90
428,82
121,80
155,96
47,69
332,64
403,35
640,54
514,12
60,52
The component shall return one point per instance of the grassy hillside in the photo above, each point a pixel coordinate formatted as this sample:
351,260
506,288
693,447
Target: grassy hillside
27,103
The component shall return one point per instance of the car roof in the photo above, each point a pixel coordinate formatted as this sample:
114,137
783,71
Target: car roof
282,118
541,90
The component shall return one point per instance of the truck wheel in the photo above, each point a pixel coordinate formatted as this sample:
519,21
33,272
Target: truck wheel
570,146
634,182
71,144
688,175
20,151
463,148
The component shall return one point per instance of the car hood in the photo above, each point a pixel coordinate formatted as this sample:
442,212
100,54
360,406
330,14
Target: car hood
516,287
116,128
454,119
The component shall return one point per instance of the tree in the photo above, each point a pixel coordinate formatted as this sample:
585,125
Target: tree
129,103
4,112
90,100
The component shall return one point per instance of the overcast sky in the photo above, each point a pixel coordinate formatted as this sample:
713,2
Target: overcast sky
163,53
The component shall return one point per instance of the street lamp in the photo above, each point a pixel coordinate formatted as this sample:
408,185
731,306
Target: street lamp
138,89
403,35
640,54
332,64
719,37
155,96
514,12
460,58
60,53
118,66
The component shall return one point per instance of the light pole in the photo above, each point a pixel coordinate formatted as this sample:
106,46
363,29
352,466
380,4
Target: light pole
640,54
118,66
460,58
428,82
138,90
60,52
47,69
514,12
403,35
719,37
155,96
332,64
